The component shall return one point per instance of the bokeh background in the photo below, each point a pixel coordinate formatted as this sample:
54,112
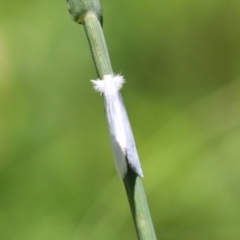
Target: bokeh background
181,60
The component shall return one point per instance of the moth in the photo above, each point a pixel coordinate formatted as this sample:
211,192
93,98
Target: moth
122,140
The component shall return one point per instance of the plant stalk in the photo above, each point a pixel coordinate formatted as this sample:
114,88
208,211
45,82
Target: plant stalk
88,13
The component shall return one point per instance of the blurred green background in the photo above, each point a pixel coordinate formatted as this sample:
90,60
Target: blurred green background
181,60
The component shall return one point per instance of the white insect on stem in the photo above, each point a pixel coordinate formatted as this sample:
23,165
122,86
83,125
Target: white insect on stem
123,144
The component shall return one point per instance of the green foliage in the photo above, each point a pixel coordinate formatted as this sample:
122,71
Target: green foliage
181,61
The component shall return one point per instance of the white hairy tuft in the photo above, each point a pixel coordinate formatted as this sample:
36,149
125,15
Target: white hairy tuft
110,84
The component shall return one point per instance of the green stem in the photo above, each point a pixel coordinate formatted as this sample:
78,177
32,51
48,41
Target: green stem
88,13
139,206
97,44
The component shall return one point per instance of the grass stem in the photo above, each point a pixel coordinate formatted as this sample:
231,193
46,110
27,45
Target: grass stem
88,13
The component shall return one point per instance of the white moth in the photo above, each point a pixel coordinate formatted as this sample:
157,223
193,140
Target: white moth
123,144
